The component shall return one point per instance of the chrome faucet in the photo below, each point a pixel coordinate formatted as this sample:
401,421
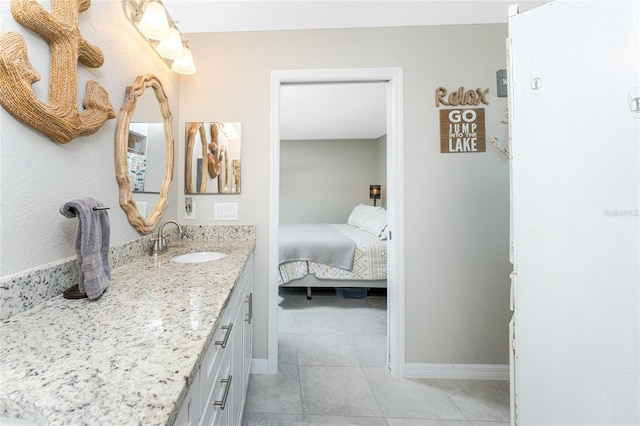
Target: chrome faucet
159,244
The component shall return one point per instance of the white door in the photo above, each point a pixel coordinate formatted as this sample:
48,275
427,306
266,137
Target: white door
574,71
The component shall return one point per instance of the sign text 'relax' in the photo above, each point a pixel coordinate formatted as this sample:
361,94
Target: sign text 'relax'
461,97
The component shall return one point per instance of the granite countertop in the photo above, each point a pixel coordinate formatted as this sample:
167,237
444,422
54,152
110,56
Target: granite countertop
127,357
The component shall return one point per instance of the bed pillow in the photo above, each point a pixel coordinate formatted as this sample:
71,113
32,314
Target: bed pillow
369,219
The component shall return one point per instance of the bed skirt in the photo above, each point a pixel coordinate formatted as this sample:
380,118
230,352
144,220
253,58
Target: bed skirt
313,281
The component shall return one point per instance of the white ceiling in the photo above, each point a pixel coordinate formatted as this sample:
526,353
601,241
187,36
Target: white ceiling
336,111
240,15
333,111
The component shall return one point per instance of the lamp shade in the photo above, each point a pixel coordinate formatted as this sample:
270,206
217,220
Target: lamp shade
184,64
154,23
171,47
374,192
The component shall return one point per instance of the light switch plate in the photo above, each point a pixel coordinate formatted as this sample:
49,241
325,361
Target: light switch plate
226,211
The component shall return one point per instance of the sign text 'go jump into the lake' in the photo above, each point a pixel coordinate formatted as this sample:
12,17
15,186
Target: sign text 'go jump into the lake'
462,129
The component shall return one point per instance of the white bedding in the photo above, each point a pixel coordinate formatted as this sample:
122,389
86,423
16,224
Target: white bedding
320,242
369,263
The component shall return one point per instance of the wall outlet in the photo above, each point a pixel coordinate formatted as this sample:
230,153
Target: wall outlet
188,215
226,211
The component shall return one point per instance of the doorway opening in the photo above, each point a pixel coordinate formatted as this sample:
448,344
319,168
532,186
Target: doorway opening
392,77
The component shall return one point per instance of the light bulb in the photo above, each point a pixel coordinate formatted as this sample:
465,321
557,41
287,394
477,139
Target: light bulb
184,64
171,47
154,22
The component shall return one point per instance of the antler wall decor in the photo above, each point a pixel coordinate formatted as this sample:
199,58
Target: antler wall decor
59,118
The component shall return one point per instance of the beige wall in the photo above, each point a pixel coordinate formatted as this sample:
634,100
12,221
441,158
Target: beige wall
322,181
39,175
456,211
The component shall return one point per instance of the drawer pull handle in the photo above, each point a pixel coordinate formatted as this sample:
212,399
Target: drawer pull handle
223,403
224,341
249,300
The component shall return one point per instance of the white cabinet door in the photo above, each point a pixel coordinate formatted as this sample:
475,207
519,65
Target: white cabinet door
189,414
247,334
247,348
576,184
241,350
237,365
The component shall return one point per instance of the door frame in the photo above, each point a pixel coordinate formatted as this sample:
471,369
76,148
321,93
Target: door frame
395,201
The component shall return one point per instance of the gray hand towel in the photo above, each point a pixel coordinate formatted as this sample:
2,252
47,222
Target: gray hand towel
92,244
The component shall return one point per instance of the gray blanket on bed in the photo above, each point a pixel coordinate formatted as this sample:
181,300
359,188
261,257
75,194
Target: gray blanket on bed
316,242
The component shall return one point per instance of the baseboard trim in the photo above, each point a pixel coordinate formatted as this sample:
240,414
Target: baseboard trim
457,371
259,366
429,371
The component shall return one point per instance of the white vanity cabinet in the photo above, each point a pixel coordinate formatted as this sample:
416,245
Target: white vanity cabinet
217,394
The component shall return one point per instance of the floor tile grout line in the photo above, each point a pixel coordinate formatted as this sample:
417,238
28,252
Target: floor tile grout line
375,395
300,388
452,401
306,416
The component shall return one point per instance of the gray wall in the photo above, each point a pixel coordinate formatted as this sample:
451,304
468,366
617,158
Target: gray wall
322,181
39,175
456,212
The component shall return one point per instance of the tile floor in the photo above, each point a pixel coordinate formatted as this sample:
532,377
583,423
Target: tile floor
332,371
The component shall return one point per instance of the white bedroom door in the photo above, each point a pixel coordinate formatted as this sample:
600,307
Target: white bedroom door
575,137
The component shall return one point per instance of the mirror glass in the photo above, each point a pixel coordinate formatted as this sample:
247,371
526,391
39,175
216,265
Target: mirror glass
213,158
146,146
144,153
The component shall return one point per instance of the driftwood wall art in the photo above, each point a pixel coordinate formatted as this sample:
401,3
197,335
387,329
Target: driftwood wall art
218,161
215,159
59,118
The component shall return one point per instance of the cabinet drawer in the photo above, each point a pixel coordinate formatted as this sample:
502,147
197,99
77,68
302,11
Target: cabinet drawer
212,358
216,414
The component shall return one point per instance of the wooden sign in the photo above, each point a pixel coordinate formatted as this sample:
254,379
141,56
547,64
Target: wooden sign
461,97
462,130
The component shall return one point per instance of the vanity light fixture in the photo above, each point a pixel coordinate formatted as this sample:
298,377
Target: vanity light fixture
374,193
153,22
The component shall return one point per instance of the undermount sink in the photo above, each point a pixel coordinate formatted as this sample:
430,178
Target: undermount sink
197,257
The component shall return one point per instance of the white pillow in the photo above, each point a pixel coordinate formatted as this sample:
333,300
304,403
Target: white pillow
370,219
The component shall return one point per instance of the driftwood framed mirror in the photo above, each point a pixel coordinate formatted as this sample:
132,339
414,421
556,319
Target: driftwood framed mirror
144,127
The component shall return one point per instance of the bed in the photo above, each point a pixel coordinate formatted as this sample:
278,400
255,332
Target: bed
335,255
